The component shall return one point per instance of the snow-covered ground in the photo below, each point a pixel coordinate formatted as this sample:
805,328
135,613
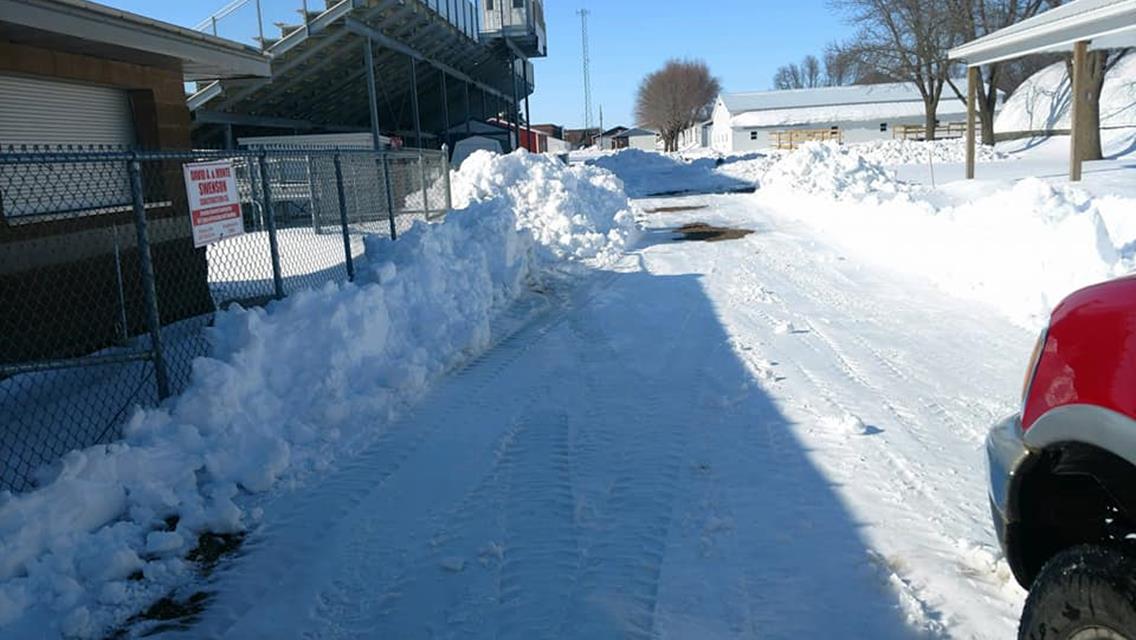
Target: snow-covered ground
534,420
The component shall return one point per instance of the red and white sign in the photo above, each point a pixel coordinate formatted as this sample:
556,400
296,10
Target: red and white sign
214,206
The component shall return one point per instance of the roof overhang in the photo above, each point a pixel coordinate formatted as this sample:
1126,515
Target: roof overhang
1105,24
97,30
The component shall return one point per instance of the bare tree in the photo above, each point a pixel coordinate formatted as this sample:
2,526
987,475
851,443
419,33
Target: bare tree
839,68
675,98
806,75
975,18
907,40
788,76
810,72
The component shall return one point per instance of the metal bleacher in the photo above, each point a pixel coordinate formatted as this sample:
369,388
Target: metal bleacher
428,57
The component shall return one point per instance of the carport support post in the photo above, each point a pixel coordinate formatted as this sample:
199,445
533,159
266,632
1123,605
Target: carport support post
372,94
971,104
1076,122
414,102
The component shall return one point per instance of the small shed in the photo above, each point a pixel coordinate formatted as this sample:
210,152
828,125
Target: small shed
1078,27
606,140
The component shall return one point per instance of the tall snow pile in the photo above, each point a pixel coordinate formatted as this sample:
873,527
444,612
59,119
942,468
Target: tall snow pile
646,173
1020,247
888,152
286,391
567,209
750,167
830,168
1044,100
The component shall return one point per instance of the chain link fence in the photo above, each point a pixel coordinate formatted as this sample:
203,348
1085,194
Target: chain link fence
104,293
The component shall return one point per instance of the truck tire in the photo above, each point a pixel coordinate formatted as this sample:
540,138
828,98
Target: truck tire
1086,592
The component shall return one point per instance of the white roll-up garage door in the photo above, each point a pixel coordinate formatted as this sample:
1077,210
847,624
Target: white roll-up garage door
42,111
37,111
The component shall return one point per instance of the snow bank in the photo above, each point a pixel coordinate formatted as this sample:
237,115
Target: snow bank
888,152
750,167
832,169
1021,247
647,173
1044,100
286,391
568,209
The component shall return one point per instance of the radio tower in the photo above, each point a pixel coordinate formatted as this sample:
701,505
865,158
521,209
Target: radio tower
587,70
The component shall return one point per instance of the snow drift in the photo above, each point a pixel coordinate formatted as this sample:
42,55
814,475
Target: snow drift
890,152
1020,247
1044,101
287,390
830,168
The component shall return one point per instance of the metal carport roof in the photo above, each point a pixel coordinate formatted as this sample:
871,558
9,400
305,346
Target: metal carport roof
1106,24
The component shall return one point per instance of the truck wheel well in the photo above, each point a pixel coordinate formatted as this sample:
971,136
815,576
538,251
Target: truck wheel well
1072,493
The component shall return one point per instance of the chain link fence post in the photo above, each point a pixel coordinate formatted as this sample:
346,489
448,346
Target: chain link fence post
146,269
390,194
343,218
446,177
425,187
270,222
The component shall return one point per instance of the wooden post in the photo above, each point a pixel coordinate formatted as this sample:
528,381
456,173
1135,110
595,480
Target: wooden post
1077,115
972,78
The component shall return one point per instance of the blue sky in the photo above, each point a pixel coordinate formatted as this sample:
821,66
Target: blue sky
743,41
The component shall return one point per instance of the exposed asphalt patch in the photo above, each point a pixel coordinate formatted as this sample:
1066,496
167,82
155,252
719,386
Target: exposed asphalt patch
702,232
695,192
691,207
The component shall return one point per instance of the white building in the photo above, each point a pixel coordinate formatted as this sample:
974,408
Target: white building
643,139
749,121
696,137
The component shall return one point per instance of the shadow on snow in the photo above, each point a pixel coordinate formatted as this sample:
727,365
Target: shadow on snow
610,470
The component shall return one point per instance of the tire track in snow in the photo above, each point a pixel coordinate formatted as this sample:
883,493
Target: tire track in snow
540,555
623,554
290,537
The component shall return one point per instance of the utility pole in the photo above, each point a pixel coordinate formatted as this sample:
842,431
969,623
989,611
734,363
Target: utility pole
587,69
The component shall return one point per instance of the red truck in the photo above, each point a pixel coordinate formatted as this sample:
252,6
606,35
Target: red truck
1063,471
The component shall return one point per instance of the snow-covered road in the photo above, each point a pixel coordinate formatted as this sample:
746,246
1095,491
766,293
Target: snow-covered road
750,438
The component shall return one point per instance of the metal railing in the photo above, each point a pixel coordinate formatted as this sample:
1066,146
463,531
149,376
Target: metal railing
247,19
105,297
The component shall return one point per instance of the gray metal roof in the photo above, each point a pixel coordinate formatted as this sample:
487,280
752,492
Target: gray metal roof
820,97
630,133
99,30
1106,23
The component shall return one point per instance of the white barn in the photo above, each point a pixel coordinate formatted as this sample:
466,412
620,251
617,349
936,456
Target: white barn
749,121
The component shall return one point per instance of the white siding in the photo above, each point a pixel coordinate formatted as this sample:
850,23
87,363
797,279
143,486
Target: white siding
722,136
37,111
646,143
